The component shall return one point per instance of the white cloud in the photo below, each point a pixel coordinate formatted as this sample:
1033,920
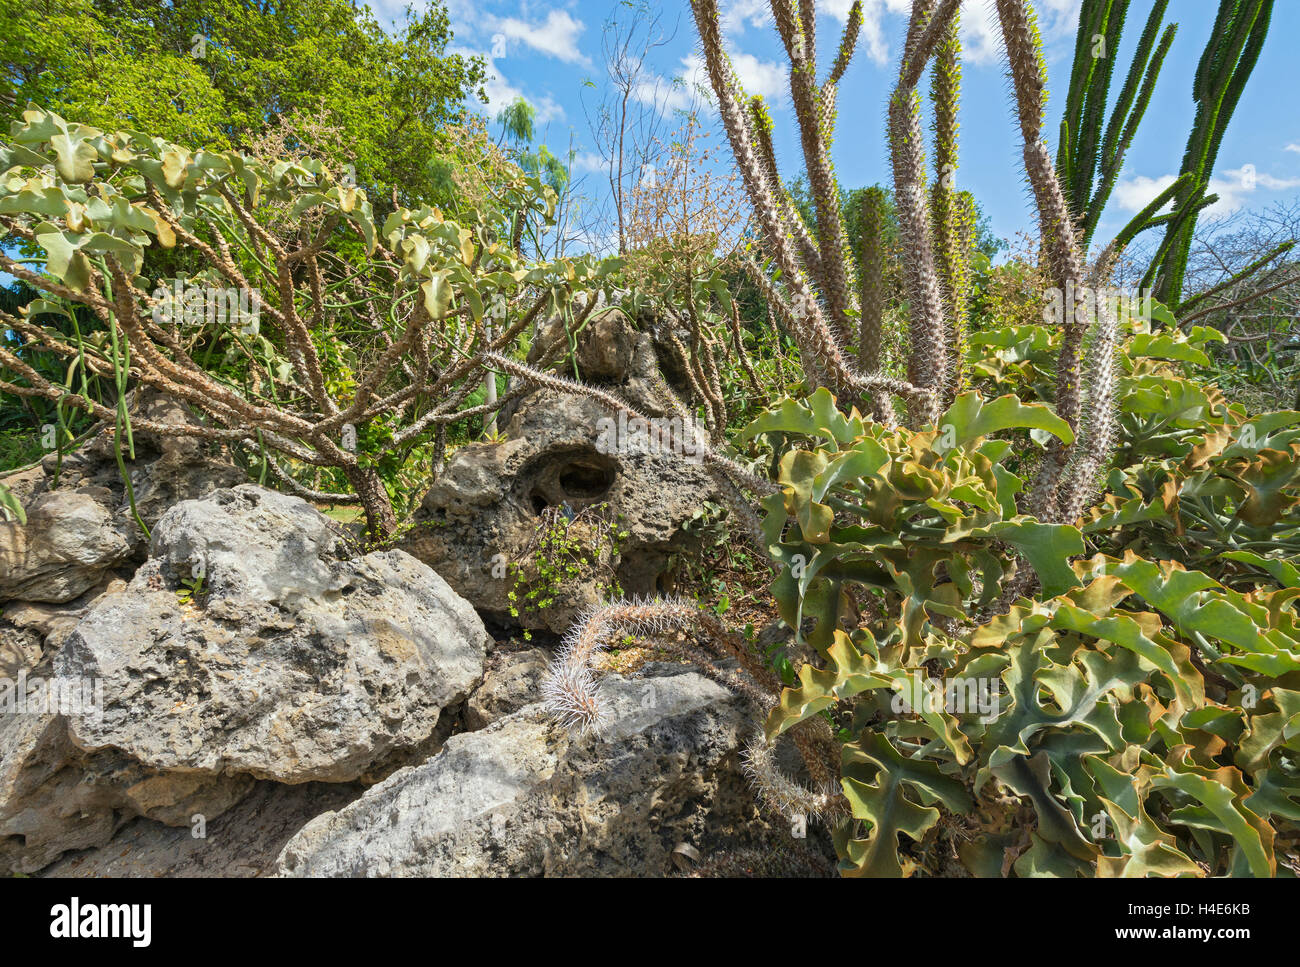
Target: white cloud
690,88
1234,186
1134,194
981,35
763,77
739,14
681,93
1292,147
556,36
1056,18
586,162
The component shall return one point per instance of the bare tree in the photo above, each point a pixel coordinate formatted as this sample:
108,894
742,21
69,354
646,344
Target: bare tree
627,122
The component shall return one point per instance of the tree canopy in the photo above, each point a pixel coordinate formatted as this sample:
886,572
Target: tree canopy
219,73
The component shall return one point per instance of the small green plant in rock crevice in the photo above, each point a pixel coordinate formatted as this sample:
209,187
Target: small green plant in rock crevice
192,589
569,546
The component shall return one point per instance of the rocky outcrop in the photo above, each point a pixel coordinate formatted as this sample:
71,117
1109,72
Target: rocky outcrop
513,679
523,797
244,841
292,662
50,624
250,645
80,530
71,539
20,649
56,797
488,507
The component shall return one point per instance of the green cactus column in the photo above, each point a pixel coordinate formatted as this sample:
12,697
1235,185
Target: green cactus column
1221,75
947,210
871,278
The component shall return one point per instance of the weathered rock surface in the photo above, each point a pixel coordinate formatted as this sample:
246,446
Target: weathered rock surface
244,841
486,508
20,648
523,797
72,537
291,662
56,797
51,624
77,533
294,664
513,680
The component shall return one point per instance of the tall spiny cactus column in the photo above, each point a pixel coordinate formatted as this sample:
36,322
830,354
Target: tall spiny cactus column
761,126
801,313
927,357
792,297
1088,163
1056,228
871,273
1224,68
947,209
871,278
815,109
1097,425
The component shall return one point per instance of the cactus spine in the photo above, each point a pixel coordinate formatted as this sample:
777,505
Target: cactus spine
871,276
949,211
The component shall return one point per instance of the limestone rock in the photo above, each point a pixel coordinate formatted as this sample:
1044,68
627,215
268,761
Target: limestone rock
523,797
294,663
78,532
513,680
486,509
289,660
71,538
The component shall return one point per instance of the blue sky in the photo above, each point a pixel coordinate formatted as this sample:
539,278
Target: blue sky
546,51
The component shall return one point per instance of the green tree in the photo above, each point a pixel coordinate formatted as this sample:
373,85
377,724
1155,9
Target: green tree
217,73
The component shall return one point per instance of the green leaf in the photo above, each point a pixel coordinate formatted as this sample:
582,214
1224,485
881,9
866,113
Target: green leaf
971,418
1048,549
876,780
11,506
437,295
816,416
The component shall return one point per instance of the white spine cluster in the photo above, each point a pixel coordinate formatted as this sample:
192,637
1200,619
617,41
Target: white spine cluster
571,690
784,795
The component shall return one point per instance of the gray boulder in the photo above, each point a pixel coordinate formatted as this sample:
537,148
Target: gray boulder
493,502
525,798
287,660
56,797
244,841
80,531
513,679
71,538
292,662
490,504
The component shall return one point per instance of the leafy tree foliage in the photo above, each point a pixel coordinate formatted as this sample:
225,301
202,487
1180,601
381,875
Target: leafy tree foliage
215,73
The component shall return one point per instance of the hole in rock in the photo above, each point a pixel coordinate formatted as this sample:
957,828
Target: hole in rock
586,481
